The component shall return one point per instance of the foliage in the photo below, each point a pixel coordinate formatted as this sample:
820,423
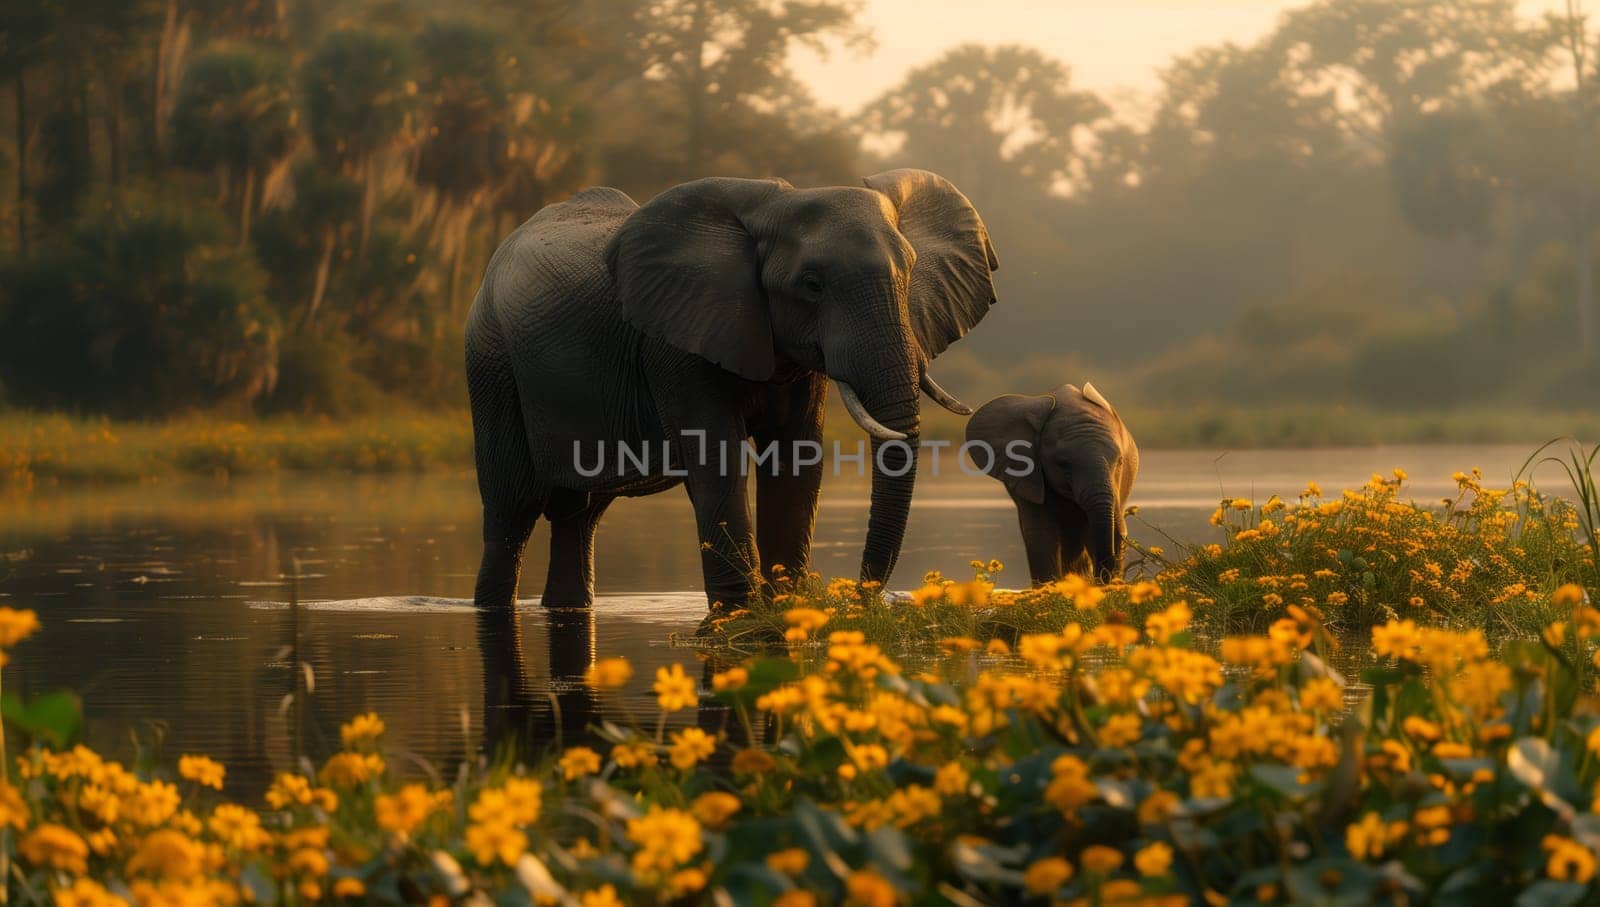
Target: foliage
1104,760
99,318
42,450
1486,558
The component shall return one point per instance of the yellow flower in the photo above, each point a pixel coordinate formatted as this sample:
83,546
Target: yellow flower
1120,730
405,810
362,729
790,862
865,888
1069,786
1570,594
634,754
289,790
1368,838
1143,591
674,689
1321,694
152,803
1099,859
1040,649
608,674
667,838
55,846
1569,861
1158,807
167,853
729,680
1153,860
951,780
524,799
349,887
689,746
808,619
714,808
604,896
202,770
16,625
799,897
1045,877
1397,638
685,882
13,809
753,762
578,761
347,769
238,828
491,841
86,893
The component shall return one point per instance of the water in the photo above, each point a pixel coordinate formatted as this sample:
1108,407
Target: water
167,605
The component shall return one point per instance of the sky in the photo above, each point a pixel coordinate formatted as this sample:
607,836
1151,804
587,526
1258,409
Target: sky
1115,49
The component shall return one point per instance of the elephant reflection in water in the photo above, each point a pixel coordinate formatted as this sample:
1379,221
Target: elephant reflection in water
515,717
524,722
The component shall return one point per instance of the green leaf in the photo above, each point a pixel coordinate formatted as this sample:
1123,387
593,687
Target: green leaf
1539,766
1551,893
53,717
1283,779
766,675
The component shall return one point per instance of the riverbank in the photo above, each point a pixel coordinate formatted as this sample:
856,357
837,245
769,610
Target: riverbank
38,450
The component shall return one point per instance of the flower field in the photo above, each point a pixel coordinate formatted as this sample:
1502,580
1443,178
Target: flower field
1190,737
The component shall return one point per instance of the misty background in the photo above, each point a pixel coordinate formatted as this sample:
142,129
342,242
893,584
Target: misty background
284,206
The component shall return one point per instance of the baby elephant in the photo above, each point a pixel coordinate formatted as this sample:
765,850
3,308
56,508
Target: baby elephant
1070,479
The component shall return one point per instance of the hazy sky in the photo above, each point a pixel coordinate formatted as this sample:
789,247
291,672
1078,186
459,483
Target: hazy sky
1113,48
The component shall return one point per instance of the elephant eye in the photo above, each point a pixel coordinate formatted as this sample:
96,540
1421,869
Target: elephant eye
811,283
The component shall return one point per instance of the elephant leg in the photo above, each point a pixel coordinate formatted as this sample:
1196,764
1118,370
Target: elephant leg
700,413
573,516
786,502
507,482
1041,538
1074,525
727,544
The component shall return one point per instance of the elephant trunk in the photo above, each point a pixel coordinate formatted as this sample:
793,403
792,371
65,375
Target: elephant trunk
1105,534
894,476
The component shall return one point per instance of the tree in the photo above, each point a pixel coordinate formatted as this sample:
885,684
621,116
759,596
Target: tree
101,317
1576,41
725,60
234,115
359,96
1388,61
990,118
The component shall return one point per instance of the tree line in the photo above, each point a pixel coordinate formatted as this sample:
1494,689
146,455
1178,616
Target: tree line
268,205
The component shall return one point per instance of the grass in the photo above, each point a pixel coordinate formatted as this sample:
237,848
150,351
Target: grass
1175,740
38,450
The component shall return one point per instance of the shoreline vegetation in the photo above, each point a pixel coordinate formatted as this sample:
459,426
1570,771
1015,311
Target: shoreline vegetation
39,450
1185,738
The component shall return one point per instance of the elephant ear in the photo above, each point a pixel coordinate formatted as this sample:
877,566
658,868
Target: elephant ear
687,272
1006,420
951,289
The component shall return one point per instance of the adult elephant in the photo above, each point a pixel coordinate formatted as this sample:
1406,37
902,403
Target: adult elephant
714,313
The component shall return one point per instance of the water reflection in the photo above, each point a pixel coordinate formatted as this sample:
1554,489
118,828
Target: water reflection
520,718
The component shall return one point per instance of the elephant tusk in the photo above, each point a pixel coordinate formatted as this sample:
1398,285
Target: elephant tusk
863,418
943,397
